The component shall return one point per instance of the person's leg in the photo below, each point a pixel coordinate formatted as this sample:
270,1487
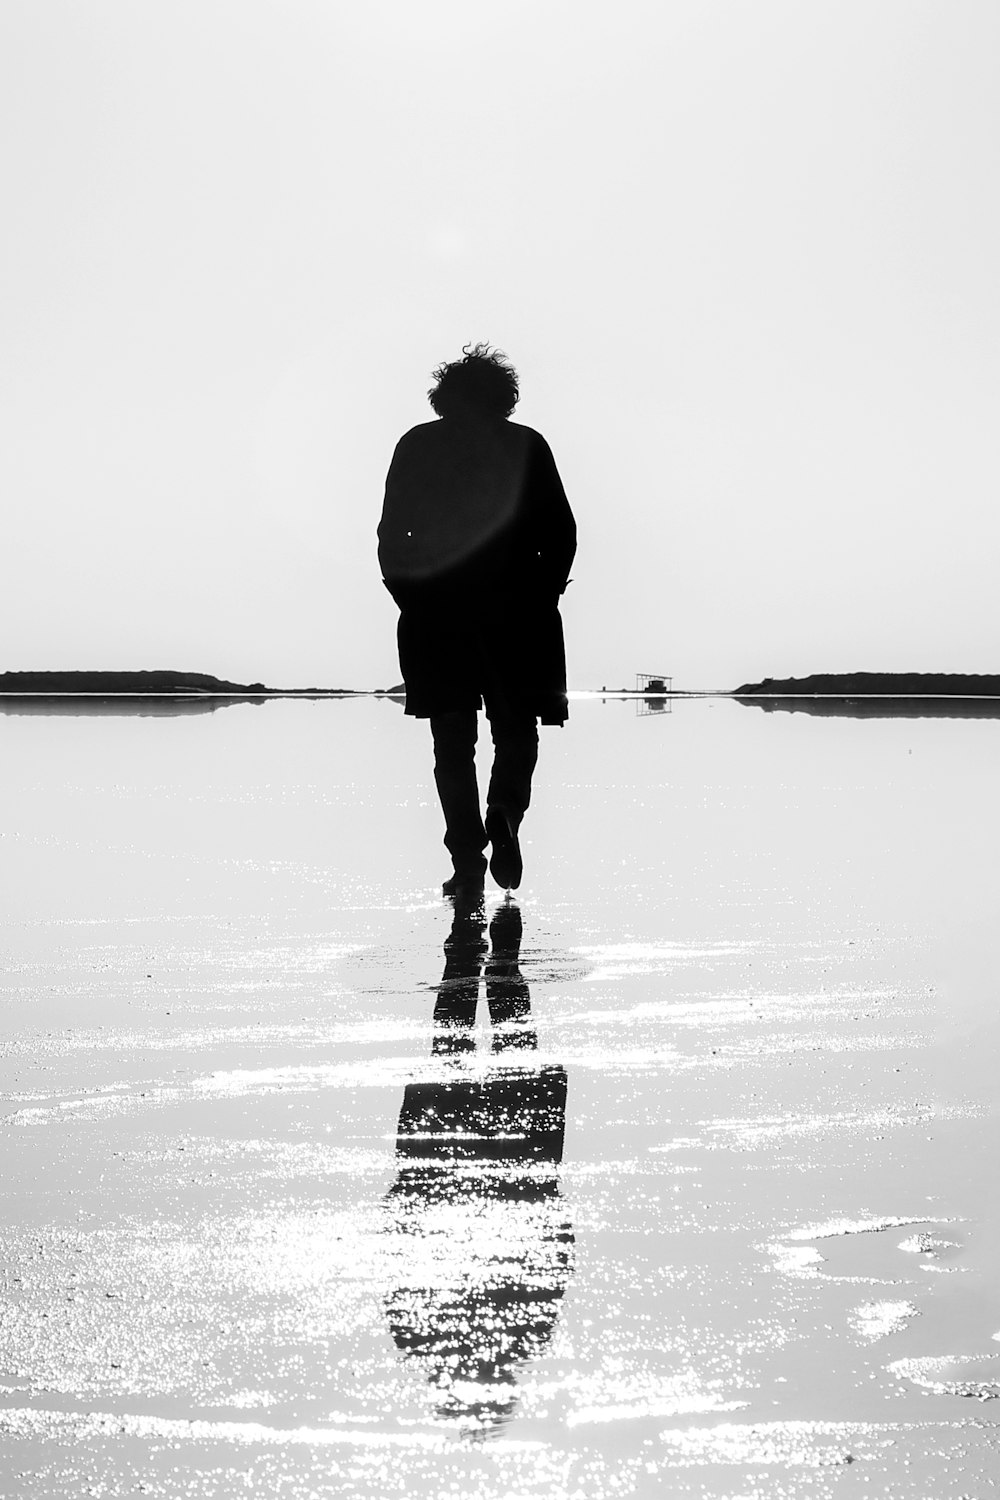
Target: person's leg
515,753
454,736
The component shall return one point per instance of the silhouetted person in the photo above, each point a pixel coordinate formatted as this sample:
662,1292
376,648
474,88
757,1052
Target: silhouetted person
475,545
484,1243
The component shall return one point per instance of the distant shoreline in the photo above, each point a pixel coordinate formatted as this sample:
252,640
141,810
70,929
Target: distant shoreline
878,695
875,685
171,686
153,684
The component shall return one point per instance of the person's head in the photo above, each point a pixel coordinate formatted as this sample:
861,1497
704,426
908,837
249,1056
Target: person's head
482,383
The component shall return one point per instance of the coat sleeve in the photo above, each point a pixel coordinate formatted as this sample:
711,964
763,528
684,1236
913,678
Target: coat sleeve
391,528
554,527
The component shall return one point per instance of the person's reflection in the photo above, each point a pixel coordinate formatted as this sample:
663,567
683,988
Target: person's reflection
485,1242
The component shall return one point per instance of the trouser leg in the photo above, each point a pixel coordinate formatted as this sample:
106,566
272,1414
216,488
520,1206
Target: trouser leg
454,736
515,753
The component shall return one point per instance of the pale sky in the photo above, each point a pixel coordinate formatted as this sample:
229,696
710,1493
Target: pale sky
743,254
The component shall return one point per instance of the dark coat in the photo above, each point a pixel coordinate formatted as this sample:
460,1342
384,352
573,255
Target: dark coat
475,545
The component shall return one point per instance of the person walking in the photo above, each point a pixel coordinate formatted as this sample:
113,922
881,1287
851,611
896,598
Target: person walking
475,545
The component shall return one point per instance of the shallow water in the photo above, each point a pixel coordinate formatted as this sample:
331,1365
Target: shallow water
700,1201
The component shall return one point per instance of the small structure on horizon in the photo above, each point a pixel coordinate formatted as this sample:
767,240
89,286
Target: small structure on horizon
653,684
654,689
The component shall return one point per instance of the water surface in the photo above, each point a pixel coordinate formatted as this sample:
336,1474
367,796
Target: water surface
677,1177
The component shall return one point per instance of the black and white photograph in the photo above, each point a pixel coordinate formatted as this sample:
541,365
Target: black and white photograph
500,722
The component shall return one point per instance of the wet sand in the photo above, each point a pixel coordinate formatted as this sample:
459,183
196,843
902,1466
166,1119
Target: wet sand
699,1201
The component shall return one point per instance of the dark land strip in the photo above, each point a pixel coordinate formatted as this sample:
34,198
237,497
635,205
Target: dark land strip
168,693
878,695
157,693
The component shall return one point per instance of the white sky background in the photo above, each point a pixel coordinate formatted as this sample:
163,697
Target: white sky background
743,254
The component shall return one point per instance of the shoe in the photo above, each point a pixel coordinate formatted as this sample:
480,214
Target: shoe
465,886
505,860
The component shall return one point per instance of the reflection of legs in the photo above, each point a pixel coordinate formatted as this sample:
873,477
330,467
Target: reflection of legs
506,987
458,992
515,752
454,737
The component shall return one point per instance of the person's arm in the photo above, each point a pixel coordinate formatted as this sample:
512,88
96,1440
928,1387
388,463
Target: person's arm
555,527
393,536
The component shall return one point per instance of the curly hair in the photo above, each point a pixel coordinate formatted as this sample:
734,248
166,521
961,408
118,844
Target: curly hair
483,379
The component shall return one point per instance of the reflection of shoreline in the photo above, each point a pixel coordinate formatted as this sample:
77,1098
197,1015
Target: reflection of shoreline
167,703
150,705
484,1247
875,706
